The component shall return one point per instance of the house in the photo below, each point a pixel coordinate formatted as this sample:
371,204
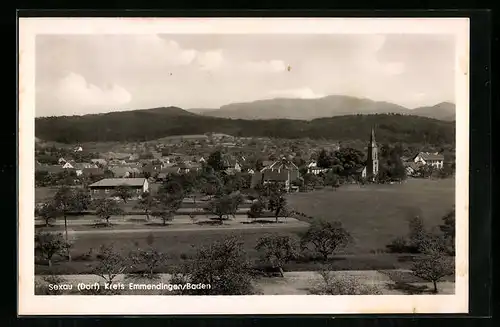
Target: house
231,164
133,157
186,167
98,161
78,149
67,165
124,171
251,171
412,167
435,160
312,168
61,161
282,171
106,187
165,172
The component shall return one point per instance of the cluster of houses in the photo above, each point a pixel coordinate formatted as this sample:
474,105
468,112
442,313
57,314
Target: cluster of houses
423,159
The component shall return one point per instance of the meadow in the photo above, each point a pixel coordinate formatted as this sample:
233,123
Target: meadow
373,214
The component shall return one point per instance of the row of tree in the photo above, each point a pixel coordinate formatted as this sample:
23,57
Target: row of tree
225,265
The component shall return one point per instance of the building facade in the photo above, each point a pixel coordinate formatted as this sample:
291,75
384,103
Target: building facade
107,187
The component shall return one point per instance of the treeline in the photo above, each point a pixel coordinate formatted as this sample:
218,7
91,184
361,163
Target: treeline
143,125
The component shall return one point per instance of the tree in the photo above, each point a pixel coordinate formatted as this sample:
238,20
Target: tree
150,258
332,284
256,209
277,250
215,161
417,233
105,208
221,206
332,180
69,200
224,266
349,159
277,202
311,181
326,237
110,263
324,159
124,192
166,205
448,229
433,267
48,212
146,203
49,244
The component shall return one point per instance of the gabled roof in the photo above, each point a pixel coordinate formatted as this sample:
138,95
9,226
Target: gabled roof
283,164
430,156
113,182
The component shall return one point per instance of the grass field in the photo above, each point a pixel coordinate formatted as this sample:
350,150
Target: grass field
374,215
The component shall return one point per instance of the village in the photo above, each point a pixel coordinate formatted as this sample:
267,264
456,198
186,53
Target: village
175,190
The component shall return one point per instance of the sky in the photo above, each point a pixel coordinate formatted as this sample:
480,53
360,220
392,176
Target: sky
84,74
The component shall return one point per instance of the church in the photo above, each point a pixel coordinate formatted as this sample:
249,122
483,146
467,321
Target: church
370,171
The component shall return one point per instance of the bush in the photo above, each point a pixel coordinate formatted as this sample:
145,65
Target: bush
342,285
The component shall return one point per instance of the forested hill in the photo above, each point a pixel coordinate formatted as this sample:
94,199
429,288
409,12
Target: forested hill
151,124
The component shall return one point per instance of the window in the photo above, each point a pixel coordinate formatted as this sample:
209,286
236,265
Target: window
106,190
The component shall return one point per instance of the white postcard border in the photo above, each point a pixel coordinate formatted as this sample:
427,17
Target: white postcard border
29,304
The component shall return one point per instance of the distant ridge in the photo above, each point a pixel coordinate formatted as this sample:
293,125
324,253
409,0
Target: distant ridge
157,123
329,106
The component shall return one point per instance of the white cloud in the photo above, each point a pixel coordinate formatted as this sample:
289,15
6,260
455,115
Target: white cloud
301,93
210,60
73,93
271,66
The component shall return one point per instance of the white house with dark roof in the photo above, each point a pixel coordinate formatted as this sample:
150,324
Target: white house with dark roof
435,159
106,187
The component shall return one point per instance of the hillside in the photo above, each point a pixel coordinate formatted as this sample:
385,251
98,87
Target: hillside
152,124
442,111
330,106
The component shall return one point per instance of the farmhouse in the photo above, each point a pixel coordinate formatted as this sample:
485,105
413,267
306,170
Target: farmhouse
435,160
107,186
281,171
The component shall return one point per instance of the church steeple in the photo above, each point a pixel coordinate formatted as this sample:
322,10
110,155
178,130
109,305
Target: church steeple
372,156
372,138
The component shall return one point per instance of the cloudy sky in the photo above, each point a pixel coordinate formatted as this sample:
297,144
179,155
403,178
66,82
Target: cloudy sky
82,74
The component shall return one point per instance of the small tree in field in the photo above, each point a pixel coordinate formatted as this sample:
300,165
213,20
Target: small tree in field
47,245
166,206
224,266
332,179
448,230
256,209
277,202
48,212
146,203
150,258
326,237
277,250
433,267
105,208
221,206
124,192
331,284
110,264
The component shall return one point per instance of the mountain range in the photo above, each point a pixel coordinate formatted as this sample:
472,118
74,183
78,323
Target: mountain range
156,123
329,106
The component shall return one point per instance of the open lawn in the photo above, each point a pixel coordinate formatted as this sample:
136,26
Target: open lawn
375,214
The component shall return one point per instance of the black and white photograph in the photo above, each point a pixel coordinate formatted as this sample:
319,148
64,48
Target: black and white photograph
164,162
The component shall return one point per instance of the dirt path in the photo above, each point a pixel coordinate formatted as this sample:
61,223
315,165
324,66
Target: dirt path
173,228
